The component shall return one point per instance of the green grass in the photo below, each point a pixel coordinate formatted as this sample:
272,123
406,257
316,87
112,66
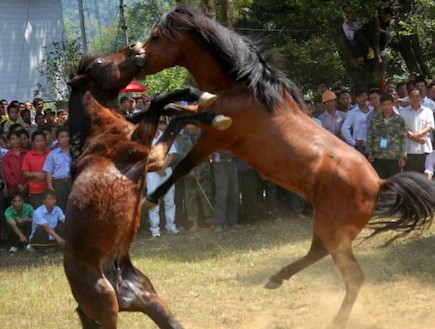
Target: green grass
215,281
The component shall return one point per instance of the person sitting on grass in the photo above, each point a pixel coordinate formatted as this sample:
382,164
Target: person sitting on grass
19,219
48,223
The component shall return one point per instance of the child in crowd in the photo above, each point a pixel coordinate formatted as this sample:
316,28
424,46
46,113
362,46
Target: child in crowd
47,225
14,115
19,219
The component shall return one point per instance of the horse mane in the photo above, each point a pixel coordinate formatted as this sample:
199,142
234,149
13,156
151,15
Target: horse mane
240,57
85,61
78,123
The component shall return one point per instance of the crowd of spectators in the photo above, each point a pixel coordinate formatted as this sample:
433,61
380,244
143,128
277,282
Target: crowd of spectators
392,128
35,174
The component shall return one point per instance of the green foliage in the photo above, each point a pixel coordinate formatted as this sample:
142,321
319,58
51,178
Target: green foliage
313,61
142,16
58,59
304,32
167,80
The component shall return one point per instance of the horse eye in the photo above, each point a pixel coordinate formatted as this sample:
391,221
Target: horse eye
154,37
99,61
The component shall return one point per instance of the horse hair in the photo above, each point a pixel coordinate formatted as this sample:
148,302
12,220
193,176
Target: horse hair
239,56
409,194
78,124
85,61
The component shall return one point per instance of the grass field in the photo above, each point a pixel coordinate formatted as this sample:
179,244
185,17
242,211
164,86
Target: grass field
215,280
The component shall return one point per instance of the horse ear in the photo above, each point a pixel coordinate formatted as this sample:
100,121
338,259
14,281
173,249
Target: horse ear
74,80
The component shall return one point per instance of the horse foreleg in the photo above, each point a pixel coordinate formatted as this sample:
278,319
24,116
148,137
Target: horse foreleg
190,94
161,148
148,120
199,153
136,294
316,252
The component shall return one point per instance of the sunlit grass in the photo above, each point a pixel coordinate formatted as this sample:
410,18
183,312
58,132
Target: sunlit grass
214,281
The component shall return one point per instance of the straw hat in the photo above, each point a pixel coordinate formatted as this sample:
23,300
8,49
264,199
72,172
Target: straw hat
328,96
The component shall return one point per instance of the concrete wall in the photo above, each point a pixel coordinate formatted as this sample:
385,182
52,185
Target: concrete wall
26,26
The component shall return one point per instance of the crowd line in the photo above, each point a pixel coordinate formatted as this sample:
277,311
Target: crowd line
392,128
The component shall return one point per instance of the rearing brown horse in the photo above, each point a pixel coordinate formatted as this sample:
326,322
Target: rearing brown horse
275,137
103,211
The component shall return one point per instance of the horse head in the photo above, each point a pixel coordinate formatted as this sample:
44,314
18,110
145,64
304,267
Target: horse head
109,74
98,81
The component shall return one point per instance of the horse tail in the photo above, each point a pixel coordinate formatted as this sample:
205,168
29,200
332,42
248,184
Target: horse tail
406,203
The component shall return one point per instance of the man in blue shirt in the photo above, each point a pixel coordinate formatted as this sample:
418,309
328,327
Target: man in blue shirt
47,224
57,167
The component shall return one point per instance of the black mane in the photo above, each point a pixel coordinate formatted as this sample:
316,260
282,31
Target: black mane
78,122
240,56
85,61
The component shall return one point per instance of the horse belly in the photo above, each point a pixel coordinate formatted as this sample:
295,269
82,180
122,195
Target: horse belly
102,216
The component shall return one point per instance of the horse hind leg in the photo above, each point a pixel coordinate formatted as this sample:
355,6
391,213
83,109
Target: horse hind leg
98,307
316,252
353,278
87,323
136,294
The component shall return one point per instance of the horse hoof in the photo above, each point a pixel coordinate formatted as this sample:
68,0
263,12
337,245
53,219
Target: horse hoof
272,285
221,122
206,99
147,203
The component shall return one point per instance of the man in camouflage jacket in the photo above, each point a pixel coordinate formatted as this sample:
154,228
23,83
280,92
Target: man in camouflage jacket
386,140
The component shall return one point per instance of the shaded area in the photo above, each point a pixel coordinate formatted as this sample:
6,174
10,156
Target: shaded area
414,257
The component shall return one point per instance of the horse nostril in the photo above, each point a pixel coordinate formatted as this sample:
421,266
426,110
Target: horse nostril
133,45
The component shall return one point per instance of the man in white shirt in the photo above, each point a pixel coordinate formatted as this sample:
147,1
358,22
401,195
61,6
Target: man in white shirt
354,128
419,123
421,85
154,180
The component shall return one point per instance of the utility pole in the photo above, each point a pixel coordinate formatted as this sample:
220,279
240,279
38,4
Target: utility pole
82,27
123,26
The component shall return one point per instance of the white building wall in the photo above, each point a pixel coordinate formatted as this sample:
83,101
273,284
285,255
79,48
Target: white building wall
26,27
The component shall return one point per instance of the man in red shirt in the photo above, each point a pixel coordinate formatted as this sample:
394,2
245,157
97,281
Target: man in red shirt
12,164
32,168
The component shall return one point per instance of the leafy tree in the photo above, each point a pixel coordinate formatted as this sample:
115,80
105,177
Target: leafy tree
309,34
167,80
59,58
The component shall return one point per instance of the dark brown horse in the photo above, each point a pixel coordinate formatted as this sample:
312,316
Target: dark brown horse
275,137
103,211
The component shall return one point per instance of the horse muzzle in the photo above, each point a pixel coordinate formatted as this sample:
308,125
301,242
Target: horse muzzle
138,53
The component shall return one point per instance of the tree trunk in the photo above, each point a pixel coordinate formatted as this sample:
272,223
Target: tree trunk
409,45
210,8
226,13
416,46
368,74
406,49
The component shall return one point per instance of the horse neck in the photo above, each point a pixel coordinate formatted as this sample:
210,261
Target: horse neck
88,109
94,104
205,68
